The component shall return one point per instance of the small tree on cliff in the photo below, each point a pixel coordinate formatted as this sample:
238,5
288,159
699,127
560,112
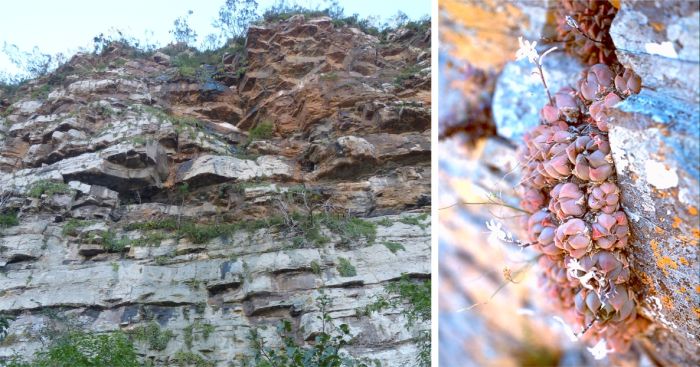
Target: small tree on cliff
182,32
235,16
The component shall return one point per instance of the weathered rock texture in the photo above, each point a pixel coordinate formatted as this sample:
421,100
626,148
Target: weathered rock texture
654,143
126,134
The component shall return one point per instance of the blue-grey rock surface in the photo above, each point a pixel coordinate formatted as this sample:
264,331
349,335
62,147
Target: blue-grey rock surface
520,94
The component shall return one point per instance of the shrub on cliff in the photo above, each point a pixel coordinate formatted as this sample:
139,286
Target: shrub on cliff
324,352
78,349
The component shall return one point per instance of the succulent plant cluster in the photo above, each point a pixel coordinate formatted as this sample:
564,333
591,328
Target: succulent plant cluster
583,26
569,186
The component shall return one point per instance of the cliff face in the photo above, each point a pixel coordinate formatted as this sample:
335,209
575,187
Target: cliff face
654,144
223,201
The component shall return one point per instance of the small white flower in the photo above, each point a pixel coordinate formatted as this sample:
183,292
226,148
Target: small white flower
527,50
497,234
600,350
574,267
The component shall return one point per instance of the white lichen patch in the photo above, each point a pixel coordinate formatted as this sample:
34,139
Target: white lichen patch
653,308
687,197
660,176
664,49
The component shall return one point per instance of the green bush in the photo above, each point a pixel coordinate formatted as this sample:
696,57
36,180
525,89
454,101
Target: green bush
70,228
345,268
168,223
152,335
198,233
112,243
8,219
350,228
394,247
413,297
262,130
187,359
47,187
325,351
79,349
415,220
407,73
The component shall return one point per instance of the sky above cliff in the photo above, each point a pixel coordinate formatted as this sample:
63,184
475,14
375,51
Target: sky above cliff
64,26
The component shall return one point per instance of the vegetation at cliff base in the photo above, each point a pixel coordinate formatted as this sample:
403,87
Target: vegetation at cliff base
325,351
79,349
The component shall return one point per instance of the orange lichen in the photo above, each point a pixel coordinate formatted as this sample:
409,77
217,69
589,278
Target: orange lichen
657,26
659,230
654,247
692,210
697,288
687,240
665,262
676,222
697,311
646,279
683,261
667,302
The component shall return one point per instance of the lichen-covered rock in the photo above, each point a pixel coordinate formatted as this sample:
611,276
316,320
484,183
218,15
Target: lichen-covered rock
659,41
655,143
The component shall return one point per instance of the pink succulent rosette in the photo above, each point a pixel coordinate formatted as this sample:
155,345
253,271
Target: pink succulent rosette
620,338
610,230
532,199
591,158
597,82
615,306
562,295
566,104
541,230
533,177
574,237
604,197
549,113
567,201
599,109
612,265
554,268
628,83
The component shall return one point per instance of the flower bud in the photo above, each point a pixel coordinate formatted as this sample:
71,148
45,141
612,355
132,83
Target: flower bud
549,113
566,104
